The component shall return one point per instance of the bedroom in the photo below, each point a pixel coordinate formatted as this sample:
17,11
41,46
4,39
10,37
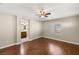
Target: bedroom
29,28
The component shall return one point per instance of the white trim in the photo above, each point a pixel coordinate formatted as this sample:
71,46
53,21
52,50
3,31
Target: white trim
34,38
11,45
19,43
8,46
61,40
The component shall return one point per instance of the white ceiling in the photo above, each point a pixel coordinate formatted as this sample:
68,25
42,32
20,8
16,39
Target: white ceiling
27,10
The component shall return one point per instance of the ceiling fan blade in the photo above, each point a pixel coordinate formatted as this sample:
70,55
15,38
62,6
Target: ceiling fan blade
47,13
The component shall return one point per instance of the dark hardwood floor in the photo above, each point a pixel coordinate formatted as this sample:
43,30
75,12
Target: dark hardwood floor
42,46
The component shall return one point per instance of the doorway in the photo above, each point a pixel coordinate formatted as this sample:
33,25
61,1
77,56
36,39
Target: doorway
22,30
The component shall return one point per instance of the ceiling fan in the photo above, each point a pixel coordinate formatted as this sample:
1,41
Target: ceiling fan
43,13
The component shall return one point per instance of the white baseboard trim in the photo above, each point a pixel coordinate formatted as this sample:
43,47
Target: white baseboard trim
34,38
61,40
11,45
8,46
19,43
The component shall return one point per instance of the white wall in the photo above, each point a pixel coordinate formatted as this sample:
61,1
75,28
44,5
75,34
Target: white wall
7,30
69,29
10,30
35,29
33,32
